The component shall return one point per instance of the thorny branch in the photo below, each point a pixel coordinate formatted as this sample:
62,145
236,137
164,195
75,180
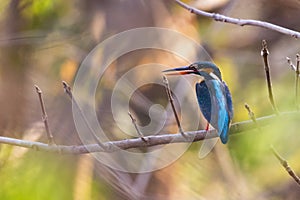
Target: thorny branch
240,22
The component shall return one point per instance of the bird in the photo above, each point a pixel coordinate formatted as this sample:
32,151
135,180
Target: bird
213,95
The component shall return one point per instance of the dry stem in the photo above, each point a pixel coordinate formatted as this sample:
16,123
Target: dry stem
44,116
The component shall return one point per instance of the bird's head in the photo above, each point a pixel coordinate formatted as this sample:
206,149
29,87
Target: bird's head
203,68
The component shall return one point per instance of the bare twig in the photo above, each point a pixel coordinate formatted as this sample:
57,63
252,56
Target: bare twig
298,61
264,54
44,116
152,140
297,73
286,166
293,67
166,82
136,127
240,22
68,91
297,79
250,113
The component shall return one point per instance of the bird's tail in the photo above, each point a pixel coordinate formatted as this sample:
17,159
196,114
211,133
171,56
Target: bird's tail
223,133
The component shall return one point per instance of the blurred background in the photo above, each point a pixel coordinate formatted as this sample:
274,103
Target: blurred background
44,42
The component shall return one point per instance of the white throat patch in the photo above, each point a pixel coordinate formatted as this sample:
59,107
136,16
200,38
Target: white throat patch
214,76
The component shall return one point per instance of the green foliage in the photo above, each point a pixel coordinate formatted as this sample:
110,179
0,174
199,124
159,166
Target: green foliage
37,176
44,14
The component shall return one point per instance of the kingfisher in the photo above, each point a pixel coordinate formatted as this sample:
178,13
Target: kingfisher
213,95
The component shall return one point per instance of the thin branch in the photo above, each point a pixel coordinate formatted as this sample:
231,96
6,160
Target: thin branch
136,127
152,140
68,91
297,73
44,115
250,113
293,67
166,82
298,61
286,166
240,22
264,54
297,79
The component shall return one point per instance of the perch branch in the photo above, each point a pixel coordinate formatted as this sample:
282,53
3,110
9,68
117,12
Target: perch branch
68,91
152,140
264,54
44,115
240,22
286,166
166,82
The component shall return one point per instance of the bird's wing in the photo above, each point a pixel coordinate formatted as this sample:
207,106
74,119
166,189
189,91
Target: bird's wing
220,117
204,100
215,103
229,100
205,104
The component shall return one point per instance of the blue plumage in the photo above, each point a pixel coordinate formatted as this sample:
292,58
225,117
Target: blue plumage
216,106
213,96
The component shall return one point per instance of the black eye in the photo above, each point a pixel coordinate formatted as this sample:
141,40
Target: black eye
193,68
